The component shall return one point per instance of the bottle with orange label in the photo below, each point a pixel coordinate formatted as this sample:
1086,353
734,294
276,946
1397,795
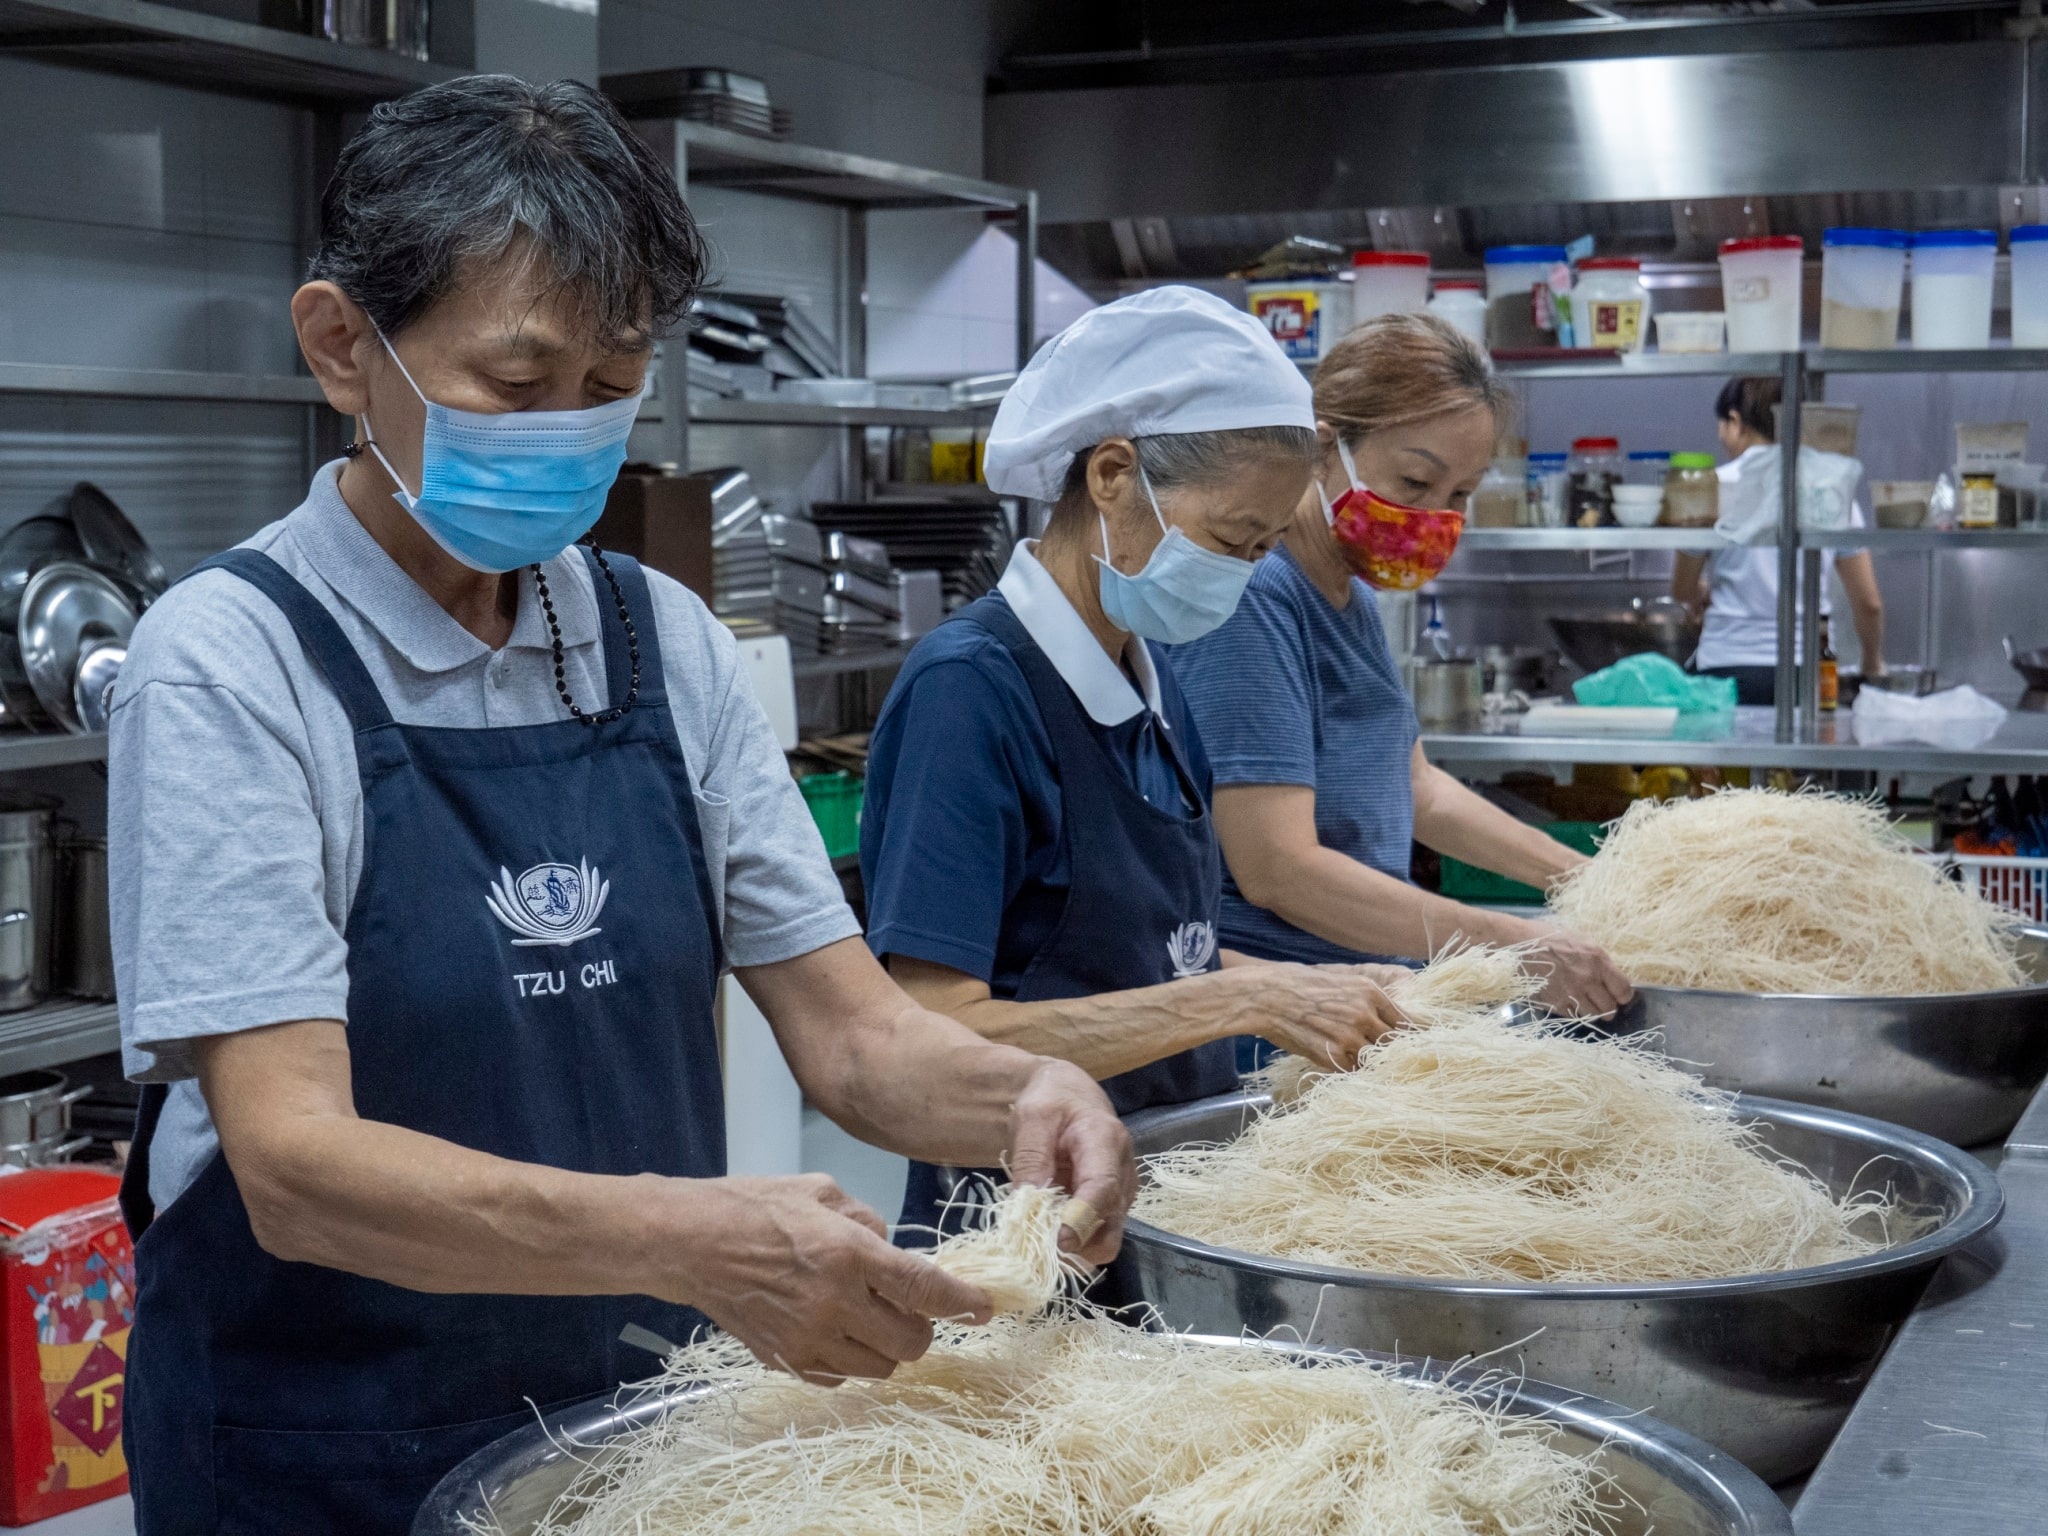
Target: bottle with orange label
1830,671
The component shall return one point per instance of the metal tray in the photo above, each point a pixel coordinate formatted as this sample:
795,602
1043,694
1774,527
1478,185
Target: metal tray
1765,1366
1675,1485
1961,1067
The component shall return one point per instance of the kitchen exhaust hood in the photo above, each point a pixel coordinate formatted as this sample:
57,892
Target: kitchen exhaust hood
1658,156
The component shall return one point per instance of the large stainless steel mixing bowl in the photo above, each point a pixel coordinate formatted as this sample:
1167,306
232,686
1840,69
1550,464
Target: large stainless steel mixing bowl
1958,1067
1598,640
1764,1366
1674,1485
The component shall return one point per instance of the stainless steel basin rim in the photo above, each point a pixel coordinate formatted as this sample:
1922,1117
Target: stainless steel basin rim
527,1468
1981,1210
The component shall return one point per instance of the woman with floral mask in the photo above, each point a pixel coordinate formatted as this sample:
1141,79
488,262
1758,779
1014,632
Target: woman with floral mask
1037,845
1321,784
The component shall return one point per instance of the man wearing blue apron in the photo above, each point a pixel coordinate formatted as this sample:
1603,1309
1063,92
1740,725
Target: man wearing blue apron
1036,840
431,836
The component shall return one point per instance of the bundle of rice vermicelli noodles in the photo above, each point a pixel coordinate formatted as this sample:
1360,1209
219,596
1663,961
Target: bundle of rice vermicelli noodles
1755,890
1014,1254
1074,1425
1471,1149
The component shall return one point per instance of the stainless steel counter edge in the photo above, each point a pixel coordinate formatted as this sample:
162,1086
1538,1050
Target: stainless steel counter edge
2019,745
1952,1433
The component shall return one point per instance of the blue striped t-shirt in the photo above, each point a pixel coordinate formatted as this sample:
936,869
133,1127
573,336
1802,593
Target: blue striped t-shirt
1293,691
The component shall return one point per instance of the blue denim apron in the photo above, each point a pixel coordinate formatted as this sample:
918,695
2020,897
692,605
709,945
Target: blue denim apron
532,956
1144,888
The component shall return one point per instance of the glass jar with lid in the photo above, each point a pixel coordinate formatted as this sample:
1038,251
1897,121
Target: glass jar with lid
1591,474
1692,492
1610,305
1498,499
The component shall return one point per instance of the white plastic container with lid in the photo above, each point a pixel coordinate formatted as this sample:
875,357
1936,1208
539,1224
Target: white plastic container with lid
1952,270
2030,285
1610,305
1460,302
1512,274
1388,283
1862,275
1760,292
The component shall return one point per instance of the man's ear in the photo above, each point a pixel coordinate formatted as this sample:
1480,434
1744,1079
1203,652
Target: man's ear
332,328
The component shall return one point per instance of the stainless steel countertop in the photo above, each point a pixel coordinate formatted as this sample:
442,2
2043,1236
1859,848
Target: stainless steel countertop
1952,1433
2020,745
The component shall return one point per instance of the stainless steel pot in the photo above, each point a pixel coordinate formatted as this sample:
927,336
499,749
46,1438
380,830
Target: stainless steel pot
85,948
27,894
1667,1481
1960,1067
1447,693
1764,1366
36,1106
45,1153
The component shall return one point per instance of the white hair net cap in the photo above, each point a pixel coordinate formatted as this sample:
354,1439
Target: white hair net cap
1163,361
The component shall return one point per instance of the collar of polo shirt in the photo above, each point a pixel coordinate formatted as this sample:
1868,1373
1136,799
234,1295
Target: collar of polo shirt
1103,687
342,554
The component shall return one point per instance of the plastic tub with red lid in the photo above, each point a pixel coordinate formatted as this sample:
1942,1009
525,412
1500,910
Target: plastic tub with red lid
1760,282
1388,283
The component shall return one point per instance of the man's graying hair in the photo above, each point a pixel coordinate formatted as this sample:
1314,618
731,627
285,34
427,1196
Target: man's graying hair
1196,458
466,172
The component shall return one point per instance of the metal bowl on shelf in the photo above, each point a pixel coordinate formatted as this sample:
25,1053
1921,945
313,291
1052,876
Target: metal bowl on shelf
1594,641
1764,1366
1958,1066
1910,679
1665,1481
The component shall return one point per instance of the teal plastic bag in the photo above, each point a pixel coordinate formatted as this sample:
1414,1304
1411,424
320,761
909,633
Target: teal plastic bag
1651,679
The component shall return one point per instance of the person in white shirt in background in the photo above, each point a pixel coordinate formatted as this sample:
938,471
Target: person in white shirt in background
1738,586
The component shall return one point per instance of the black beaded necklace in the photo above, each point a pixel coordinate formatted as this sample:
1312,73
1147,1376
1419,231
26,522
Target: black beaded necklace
547,608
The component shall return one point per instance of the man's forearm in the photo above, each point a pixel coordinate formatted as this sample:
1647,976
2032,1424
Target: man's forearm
395,1205
885,1069
1117,1031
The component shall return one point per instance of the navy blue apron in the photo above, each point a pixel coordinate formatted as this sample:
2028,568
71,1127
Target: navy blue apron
1142,902
532,957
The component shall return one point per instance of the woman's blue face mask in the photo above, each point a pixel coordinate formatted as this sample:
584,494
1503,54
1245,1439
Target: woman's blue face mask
516,488
1183,592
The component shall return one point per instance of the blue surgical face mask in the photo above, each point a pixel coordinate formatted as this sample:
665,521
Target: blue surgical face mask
1183,592
516,488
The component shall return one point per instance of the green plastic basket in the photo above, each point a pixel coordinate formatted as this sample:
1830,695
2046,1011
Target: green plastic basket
1466,882
835,800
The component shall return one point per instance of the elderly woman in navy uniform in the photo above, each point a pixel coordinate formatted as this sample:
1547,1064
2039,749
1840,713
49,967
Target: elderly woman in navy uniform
431,836
1036,840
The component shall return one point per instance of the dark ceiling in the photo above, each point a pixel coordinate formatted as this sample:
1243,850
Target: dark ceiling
1067,44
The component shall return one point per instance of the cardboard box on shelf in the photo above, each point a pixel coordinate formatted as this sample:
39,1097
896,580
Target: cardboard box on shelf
663,521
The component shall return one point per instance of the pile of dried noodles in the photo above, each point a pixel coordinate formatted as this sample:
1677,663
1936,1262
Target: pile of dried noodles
1077,1426
1756,890
1469,1148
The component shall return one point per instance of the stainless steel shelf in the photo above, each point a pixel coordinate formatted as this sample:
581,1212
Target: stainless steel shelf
1997,359
157,383
1748,741
56,1032
802,413
135,37
24,749
840,666
1591,538
721,157
2030,541
1646,365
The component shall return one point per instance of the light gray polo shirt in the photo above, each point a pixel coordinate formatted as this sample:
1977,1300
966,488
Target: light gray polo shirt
235,812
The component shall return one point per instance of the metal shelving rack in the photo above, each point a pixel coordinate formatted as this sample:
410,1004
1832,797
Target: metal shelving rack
1803,375
708,156
188,48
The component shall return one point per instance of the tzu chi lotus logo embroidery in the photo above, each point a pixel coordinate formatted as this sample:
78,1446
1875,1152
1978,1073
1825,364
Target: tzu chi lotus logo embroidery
1191,946
550,903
